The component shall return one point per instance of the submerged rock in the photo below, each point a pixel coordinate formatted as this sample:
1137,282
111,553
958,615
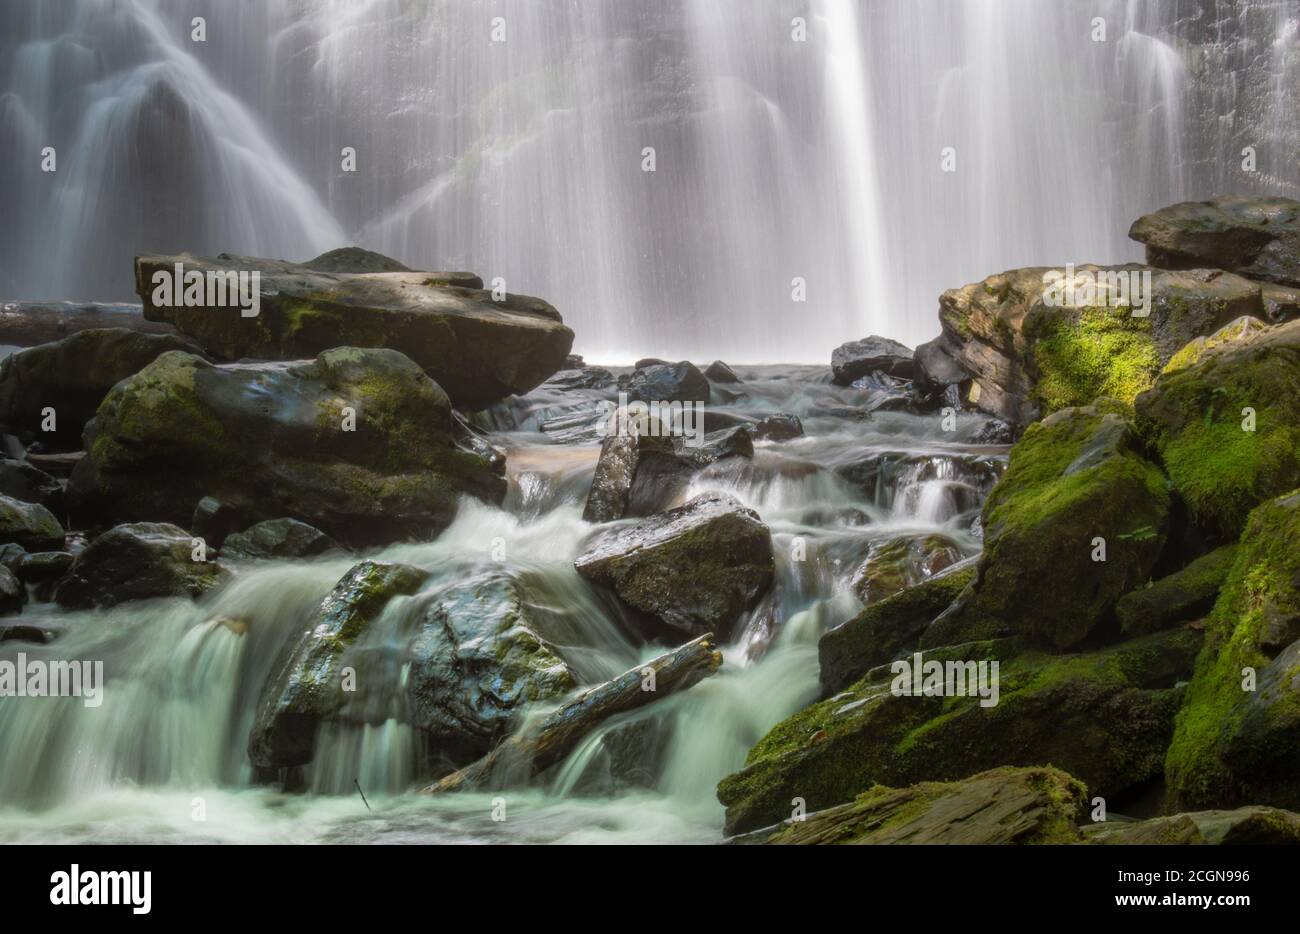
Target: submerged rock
137,561
278,538
1255,236
999,807
873,354
29,525
1077,482
478,349
359,443
695,569
71,378
779,427
1228,427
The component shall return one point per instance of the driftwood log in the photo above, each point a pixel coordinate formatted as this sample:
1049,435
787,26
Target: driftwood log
26,324
526,753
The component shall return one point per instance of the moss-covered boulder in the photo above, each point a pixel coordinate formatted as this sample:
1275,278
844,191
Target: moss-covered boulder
693,569
308,687
1105,717
887,629
1254,236
29,525
1077,483
1228,427
359,443
59,385
137,561
1187,594
1238,737
1024,356
478,349
1249,826
1233,335
278,538
999,807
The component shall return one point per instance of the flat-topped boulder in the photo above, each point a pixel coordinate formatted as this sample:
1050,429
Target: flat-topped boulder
1253,236
478,349
359,443
873,354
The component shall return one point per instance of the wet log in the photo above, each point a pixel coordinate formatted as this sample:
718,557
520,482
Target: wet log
26,324
525,754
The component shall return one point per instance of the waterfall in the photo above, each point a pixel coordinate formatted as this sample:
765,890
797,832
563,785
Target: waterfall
775,159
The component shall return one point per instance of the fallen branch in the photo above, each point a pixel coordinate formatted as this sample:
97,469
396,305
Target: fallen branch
559,733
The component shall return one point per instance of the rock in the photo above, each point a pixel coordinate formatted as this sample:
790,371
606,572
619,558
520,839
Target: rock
999,807
1237,746
887,629
1105,717
1184,595
21,480
856,359
1243,826
478,662
666,382
1196,418
694,569
278,538
11,556
780,427
12,593
1016,357
44,566
477,349
29,525
616,471
355,259
214,521
1253,236
1281,303
307,689
268,440
1245,330
137,561
649,361
994,431
898,563
72,376
719,372
26,324
590,377
1074,478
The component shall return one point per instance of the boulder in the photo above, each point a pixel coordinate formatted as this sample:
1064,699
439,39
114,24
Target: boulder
693,569
1076,480
1013,355
855,359
29,525
72,376
355,259
1232,336
1187,594
1228,427
1254,236
999,807
214,521
1243,826
478,349
1105,717
665,382
278,538
26,324
887,629
24,481
719,372
307,688
779,427
899,563
1238,736
12,593
137,561
359,443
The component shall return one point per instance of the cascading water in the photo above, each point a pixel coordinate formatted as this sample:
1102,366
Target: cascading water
776,159
183,679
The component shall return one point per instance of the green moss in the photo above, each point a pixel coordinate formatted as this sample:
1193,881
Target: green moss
1101,352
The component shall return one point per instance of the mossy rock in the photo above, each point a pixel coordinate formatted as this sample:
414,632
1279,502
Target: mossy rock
1233,745
1074,478
898,563
29,525
1003,806
1105,717
1197,419
138,561
1184,595
1256,236
1242,826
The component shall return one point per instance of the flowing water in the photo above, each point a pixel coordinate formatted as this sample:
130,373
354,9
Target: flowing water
776,159
169,740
